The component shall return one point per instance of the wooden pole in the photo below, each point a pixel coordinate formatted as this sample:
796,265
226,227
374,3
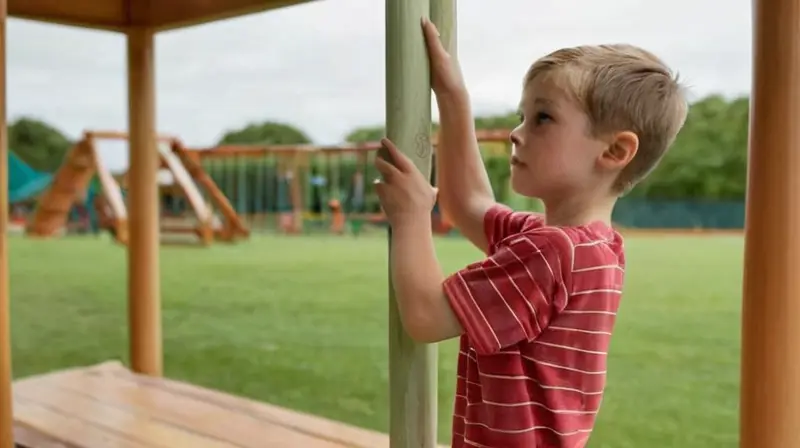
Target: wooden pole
412,366
443,14
144,300
770,364
6,407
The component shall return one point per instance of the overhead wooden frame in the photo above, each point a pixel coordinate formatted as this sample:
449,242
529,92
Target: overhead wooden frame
120,15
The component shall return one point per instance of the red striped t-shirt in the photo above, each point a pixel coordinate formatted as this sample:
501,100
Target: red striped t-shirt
537,316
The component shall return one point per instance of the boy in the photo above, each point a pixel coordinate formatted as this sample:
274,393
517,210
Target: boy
535,317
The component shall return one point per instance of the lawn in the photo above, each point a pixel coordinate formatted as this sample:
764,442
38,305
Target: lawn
301,322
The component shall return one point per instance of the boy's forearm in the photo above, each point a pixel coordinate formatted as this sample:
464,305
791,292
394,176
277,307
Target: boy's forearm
460,173
417,279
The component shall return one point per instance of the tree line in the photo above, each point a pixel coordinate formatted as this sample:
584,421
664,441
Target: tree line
707,161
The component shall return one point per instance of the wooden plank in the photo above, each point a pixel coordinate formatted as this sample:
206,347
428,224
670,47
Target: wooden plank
219,199
169,14
26,437
111,188
84,407
68,429
189,414
69,183
324,428
184,180
136,424
101,14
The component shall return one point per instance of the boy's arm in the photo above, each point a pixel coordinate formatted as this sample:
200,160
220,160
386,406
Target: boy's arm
507,298
417,279
465,193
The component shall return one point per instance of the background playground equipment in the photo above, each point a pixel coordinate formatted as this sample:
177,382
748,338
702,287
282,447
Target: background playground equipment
303,188
73,184
24,182
24,186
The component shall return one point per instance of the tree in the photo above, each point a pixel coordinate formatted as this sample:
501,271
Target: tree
708,159
266,133
366,134
38,144
376,132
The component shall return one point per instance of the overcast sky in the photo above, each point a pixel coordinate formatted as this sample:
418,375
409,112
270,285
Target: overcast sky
321,65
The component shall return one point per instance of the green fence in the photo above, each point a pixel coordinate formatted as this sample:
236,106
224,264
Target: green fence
673,214
255,186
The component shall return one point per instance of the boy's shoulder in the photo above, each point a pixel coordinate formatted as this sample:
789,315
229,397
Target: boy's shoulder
527,231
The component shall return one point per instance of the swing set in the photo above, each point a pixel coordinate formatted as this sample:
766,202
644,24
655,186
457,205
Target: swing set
301,188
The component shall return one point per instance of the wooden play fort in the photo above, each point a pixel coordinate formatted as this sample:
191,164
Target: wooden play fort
72,181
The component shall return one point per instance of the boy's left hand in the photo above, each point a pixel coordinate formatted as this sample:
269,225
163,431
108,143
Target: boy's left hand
405,195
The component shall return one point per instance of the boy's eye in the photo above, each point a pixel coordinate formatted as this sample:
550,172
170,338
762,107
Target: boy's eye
521,117
543,117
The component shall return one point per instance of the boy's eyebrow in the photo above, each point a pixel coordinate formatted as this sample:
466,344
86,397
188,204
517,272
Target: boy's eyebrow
541,101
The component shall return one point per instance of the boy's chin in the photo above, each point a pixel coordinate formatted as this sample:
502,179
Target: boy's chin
524,189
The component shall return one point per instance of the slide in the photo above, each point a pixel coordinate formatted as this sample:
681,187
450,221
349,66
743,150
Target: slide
24,182
184,180
71,185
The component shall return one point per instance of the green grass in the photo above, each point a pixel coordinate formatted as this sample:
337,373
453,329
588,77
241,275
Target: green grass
301,323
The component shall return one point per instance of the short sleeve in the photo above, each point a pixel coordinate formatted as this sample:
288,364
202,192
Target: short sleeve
500,222
511,296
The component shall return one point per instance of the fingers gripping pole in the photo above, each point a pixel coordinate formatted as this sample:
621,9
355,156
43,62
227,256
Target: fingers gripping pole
412,366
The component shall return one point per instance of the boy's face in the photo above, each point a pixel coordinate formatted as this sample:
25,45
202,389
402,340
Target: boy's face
554,155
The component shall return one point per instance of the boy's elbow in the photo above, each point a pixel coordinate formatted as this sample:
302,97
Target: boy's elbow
422,333
430,327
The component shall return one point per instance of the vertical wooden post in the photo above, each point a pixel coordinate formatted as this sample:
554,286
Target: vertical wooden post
443,14
144,295
6,408
412,366
770,366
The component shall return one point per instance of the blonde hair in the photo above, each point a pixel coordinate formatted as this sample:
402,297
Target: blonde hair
621,88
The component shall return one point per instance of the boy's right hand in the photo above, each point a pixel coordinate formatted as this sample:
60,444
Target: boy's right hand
446,75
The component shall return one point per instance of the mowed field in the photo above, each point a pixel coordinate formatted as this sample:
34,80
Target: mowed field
301,323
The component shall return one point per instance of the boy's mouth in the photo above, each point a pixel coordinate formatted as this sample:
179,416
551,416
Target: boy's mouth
515,161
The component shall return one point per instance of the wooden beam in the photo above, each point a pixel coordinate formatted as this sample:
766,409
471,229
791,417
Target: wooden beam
6,411
101,14
412,366
144,295
770,364
182,13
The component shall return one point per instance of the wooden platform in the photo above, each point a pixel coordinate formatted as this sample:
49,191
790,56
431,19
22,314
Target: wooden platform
107,406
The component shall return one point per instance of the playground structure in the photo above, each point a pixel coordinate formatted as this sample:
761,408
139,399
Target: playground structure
72,184
35,411
297,188
24,186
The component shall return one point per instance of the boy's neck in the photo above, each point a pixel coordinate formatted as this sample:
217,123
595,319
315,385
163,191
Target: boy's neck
580,212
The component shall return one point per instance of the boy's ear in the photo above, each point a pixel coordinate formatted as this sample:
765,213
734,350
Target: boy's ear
620,151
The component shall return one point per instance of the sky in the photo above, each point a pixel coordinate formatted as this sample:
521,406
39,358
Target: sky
320,65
